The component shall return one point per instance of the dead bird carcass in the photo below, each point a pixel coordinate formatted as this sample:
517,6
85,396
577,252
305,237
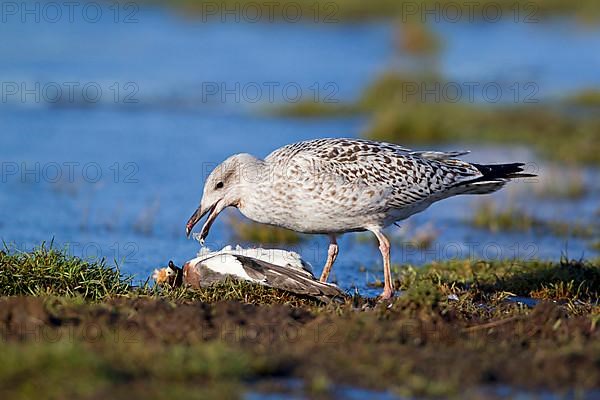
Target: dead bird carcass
275,268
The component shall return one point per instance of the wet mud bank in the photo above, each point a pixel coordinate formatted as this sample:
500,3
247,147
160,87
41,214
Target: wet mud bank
410,349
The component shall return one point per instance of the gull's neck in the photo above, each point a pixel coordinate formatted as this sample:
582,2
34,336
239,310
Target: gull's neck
257,188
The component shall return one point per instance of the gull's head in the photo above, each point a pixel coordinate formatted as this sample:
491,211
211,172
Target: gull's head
168,275
223,188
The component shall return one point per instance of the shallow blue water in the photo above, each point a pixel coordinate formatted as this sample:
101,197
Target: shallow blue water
559,57
295,389
118,180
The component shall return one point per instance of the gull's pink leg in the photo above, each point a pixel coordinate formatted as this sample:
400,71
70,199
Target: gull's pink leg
332,253
384,247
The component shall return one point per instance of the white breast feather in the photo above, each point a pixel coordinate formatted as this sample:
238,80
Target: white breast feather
282,258
227,264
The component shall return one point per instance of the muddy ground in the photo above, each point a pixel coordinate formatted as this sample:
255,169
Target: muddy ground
71,328
407,348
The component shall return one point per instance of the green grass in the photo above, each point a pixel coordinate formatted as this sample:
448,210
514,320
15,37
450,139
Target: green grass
563,280
561,183
358,10
50,271
554,133
389,87
47,271
418,39
232,290
74,369
312,109
96,282
393,86
488,215
585,98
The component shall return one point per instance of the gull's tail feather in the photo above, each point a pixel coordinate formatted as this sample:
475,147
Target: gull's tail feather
494,177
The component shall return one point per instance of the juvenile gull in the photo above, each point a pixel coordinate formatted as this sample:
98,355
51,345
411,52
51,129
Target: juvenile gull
333,186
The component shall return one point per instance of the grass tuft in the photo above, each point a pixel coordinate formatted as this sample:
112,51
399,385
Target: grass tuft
49,271
417,38
585,98
488,216
562,183
564,280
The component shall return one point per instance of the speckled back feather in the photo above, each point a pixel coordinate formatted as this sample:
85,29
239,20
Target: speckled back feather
340,185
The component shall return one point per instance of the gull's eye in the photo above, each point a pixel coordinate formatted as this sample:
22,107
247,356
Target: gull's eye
219,185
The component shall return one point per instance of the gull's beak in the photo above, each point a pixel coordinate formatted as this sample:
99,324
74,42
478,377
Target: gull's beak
214,210
196,216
